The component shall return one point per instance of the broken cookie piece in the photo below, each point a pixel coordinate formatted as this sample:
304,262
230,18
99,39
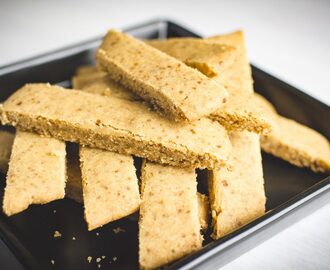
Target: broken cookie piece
36,173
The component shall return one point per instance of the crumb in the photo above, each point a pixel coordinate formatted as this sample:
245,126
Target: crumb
89,259
97,234
73,238
118,230
98,260
52,261
103,257
114,259
54,211
99,265
57,234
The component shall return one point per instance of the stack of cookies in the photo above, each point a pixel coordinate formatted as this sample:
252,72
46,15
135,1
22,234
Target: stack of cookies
178,104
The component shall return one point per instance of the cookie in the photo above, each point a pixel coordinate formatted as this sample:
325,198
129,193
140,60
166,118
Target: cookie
176,89
169,224
116,125
237,194
110,186
36,173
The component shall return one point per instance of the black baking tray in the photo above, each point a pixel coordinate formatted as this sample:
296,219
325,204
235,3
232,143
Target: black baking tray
27,240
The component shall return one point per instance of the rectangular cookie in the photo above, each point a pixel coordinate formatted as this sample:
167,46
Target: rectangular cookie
36,173
116,125
237,193
110,186
295,143
209,58
164,81
169,225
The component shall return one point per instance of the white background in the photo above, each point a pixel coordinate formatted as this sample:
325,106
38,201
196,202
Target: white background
290,39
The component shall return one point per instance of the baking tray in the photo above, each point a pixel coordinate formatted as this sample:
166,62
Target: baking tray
27,238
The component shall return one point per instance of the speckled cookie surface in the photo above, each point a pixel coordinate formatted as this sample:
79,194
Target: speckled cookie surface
175,88
208,58
169,225
36,173
237,193
110,186
116,125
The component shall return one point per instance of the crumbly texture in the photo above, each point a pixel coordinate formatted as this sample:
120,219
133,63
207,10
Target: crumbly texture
164,81
208,58
36,173
169,226
116,125
73,189
203,210
241,112
230,67
6,142
110,186
237,193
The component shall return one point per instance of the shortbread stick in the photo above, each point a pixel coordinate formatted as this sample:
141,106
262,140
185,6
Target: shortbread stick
116,125
164,81
237,193
296,143
169,225
110,186
208,58
73,189
36,173
6,142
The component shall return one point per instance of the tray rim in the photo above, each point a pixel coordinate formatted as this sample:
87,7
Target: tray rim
26,259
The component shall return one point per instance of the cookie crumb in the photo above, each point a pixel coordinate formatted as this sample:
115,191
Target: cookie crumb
99,265
97,234
89,259
57,234
73,238
54,211
118,230
98,260
114,259
103,257
52,262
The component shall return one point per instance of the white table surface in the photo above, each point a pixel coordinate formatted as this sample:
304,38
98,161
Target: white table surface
289,39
